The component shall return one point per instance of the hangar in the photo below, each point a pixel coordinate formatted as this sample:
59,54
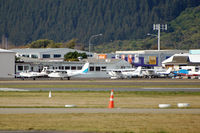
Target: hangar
7,67
189,60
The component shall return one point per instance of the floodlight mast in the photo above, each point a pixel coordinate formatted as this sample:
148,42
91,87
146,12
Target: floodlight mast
159,27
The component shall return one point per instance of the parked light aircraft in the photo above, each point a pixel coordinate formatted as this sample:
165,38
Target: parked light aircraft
139,72
156,73
117,73
135,73
28,74
124,73
163,73
184,72
69,73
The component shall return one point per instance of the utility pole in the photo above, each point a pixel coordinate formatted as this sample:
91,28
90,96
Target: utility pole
91,39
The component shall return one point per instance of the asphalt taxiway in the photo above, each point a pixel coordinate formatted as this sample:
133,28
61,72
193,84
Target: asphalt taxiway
94,110
105,89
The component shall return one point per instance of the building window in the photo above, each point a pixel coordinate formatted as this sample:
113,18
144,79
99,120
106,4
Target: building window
122,67
61,67
34,56
46,56
26,68
20,68
91,68
67,68
98,68
56,55
79,67
73,67
25,55
103,68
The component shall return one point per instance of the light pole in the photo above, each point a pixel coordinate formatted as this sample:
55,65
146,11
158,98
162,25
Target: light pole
158,27
91,39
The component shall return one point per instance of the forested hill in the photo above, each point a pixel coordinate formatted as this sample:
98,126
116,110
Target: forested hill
183,33
24,21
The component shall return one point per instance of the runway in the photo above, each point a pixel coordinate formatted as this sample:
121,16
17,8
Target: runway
94,110
101,85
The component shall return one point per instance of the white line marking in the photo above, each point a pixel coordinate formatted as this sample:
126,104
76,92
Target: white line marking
12,89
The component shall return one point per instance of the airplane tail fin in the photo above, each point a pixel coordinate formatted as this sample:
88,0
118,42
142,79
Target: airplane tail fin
169,70
85,68
138,69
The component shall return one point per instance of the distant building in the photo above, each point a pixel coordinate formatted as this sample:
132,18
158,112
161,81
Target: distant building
7,61
184,60
97,67
46,53
147,58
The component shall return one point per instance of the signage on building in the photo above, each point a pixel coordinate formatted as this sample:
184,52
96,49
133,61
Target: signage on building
152,60
123,57
130,59
136,58
102,56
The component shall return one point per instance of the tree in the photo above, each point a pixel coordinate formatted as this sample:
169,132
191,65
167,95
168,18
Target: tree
73,56
70,44
42,43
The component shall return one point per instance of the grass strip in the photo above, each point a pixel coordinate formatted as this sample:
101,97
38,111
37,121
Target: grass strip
101,122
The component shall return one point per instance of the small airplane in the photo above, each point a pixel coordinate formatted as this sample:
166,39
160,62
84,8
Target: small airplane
163,73
185,72
115,74
156,73
124,73
34,75
135,73
69,73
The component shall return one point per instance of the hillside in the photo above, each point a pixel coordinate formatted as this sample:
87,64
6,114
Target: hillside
24,21
183,33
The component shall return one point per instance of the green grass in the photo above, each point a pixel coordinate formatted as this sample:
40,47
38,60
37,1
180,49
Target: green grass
92,99
100,122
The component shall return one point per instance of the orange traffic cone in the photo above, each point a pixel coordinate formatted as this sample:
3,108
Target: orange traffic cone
111,103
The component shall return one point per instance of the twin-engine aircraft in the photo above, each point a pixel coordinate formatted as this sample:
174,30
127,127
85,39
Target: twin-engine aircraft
69,73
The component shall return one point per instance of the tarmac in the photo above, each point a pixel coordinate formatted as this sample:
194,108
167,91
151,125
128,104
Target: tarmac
94,110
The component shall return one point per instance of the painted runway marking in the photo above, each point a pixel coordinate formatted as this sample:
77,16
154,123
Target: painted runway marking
12,89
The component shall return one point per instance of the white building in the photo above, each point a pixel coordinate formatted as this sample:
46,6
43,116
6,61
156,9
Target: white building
44,53
7,63
189,60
